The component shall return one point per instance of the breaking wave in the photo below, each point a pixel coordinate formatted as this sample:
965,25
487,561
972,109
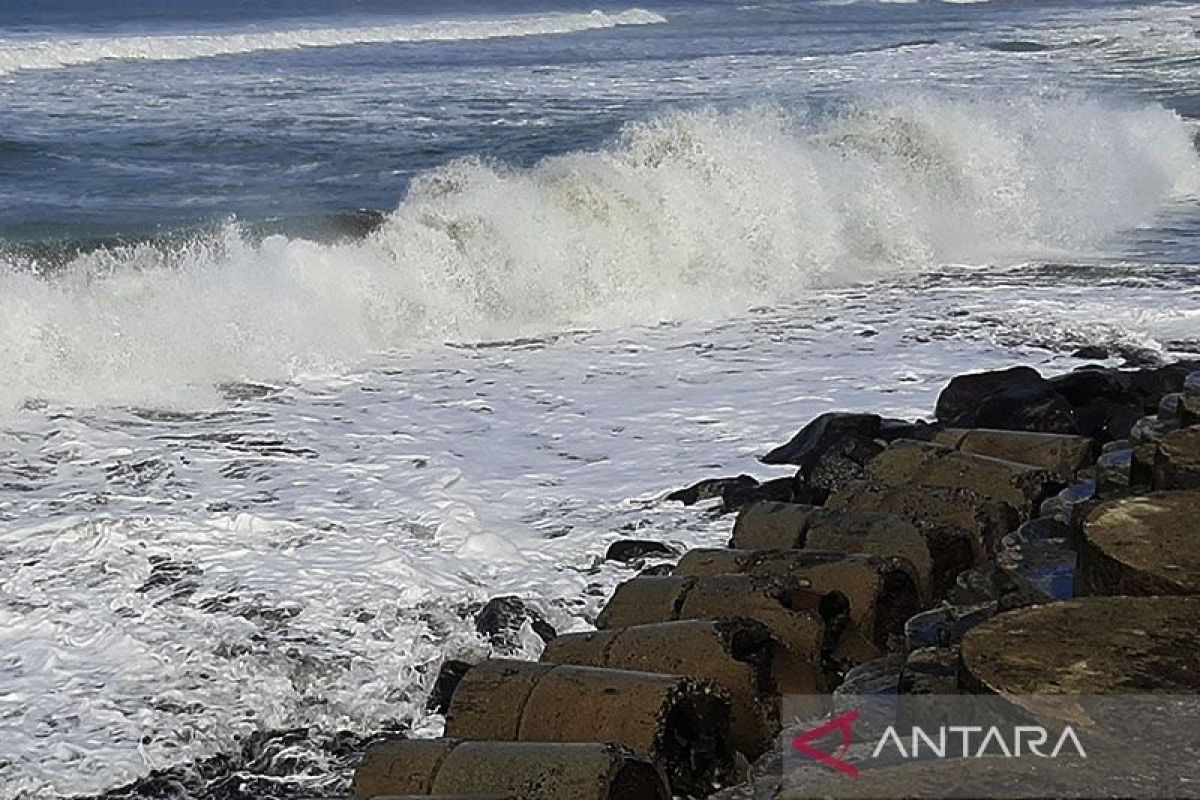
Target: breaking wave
688,215
74,52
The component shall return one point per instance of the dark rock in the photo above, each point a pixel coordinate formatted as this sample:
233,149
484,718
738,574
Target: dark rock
657,570
1105,421
627,550
892,429
931,670
1090,384
829,430
450,673
963,395
1114,470
501,619
945,625
1152,384
711,489
831,450
1072,504
781,490
1091,353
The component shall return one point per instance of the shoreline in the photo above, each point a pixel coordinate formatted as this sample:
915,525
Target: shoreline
996,508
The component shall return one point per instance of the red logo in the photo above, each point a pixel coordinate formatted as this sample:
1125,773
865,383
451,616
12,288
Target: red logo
845,723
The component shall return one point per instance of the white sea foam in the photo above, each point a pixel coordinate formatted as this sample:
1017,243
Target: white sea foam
58,53
686,216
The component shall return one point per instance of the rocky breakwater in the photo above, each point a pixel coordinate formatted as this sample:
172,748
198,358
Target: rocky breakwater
1034,525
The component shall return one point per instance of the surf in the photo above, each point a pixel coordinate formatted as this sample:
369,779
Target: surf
689,215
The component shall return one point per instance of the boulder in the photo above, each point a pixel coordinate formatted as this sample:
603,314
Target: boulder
832,449
924,464
630,550
449,675
1142,545
1088,646
677,722
1012,399
525,770
501,619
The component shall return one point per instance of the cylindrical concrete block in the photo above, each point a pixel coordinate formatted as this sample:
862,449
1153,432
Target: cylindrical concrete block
1142,545
679,722
920,463
1092,645
784,526
524,770
734,654
767,525
883,591
1063,454
807,624
1177,460
986,518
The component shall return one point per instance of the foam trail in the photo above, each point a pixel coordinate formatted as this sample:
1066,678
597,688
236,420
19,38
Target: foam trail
686,216
74,52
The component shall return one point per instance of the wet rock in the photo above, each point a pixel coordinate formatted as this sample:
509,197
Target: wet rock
710,489
1177,460
1091,353
501,619
630,550
991,583
1012,399
1092,384
925,464
1144,439
945,625
1114,470
657,570
1089,646
735,493
832,449
1041,561
1072,504
783,490
449,675
1142,545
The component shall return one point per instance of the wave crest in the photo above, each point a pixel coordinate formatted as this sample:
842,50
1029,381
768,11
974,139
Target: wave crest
691,214
57,54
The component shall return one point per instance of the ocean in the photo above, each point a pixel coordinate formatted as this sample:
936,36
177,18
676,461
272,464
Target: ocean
322,322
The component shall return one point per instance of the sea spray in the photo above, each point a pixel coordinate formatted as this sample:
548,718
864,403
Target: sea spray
688,215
